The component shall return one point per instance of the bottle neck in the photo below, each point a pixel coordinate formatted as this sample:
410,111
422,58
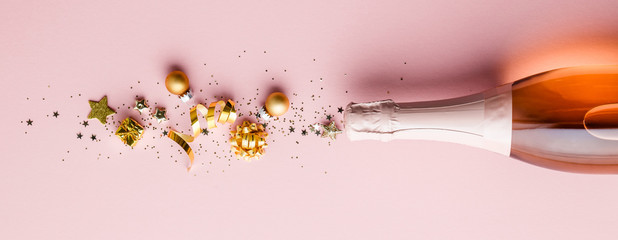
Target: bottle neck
482,120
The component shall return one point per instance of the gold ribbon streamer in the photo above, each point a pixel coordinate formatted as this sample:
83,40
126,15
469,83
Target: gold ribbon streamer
249,140
227,114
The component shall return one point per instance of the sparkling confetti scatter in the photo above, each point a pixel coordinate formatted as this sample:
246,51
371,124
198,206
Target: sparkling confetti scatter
306,106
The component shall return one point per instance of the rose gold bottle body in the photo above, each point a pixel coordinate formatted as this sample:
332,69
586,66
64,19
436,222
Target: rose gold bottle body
555,124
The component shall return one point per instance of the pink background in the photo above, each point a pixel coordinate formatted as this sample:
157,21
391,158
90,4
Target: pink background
55,186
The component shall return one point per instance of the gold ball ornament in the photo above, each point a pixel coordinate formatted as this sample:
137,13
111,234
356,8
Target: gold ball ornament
177,83
277,104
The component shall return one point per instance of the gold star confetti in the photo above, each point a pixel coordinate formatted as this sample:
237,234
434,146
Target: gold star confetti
330,131
100,110
160,115
140,105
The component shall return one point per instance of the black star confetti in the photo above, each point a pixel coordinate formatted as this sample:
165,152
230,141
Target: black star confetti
79,135
85,123
56,114
304,132
328,117
340,110
318,133
292,129
204,131
165,133
29,122
93,137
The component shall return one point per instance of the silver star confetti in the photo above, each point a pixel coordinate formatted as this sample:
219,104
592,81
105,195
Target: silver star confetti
160,115
315,127
140,105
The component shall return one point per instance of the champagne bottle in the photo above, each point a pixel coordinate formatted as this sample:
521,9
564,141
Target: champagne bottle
564,119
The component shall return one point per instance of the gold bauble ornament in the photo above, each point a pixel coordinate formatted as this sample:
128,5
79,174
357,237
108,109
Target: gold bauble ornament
177,82
277,104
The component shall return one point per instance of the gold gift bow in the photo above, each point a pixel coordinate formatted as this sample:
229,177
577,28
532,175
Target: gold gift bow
249,140
228,114
130,131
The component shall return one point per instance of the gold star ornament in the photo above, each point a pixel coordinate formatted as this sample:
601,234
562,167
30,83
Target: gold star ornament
100,110
330,130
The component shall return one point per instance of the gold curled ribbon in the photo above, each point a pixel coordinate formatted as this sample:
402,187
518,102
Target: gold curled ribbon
249,140
227,114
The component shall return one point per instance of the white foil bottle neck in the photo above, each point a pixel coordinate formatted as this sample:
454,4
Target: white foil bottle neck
482,120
